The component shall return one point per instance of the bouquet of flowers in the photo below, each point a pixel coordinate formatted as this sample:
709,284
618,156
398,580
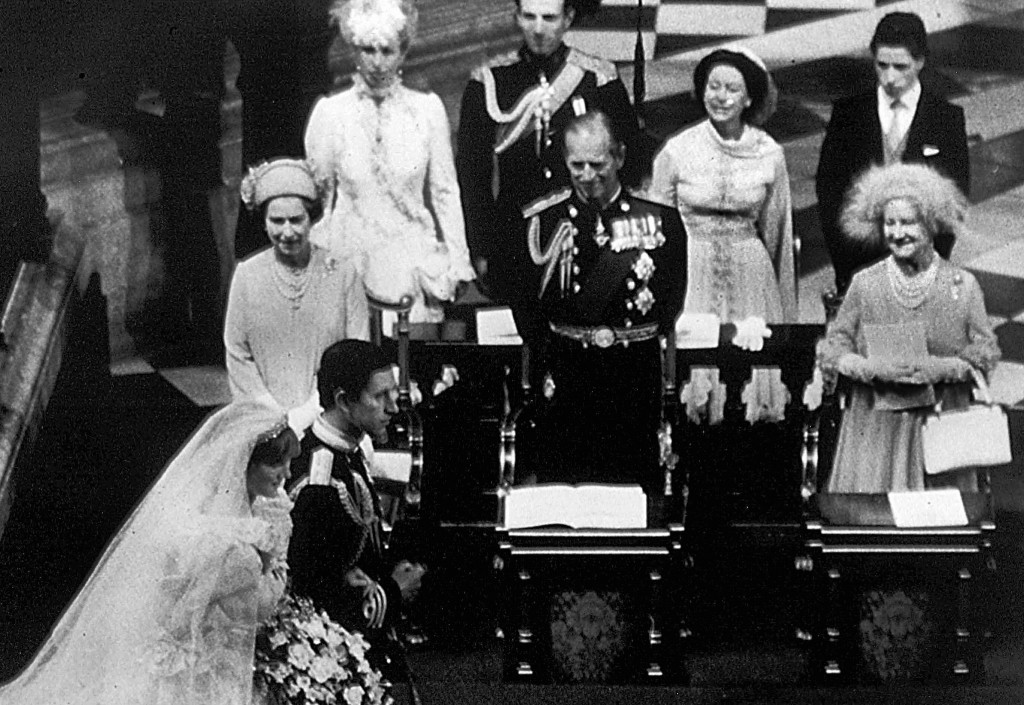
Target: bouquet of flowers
303,657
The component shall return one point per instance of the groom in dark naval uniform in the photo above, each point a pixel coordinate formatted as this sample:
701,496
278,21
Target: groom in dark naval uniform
898,121
337,555
513,112
607,282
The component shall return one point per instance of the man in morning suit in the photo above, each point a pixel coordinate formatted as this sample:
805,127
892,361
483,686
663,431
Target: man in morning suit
514,110
608,278
336,555
898,121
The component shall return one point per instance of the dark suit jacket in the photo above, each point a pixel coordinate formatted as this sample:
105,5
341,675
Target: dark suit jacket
853,142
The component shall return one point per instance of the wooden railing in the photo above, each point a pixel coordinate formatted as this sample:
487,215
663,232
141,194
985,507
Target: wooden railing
39,328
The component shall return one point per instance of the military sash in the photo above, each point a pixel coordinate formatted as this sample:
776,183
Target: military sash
533,108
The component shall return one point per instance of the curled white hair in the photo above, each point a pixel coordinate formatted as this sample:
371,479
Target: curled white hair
370,22
940,204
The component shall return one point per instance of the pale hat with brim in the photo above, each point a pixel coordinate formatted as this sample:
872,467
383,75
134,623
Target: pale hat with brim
276,178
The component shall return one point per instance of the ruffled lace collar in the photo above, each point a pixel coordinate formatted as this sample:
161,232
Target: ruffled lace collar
377,95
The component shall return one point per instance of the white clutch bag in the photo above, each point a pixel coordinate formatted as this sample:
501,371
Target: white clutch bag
978,436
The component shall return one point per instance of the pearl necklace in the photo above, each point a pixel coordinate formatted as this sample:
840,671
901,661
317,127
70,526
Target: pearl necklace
910,292
292,282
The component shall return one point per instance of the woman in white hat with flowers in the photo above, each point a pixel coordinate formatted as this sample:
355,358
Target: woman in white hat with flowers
290,301
385,149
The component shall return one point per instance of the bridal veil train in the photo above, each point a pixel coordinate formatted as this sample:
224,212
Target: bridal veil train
169,612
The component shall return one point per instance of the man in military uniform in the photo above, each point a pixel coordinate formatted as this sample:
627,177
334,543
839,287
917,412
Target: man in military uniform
514,110
608,280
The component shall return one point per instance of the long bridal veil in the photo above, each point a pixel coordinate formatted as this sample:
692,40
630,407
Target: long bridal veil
169,612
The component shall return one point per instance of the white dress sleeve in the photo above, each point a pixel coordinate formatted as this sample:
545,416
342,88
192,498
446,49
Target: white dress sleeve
663,178
776,224
244,376
320,152
444,191
357,311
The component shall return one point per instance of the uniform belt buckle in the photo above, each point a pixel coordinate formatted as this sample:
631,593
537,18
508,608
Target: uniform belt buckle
604,337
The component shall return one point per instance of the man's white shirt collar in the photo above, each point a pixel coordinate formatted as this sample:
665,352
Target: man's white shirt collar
910,99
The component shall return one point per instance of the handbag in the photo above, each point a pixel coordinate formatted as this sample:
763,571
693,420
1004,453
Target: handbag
978,436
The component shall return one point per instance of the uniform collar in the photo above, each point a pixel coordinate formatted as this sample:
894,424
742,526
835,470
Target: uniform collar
332,437
548,65
585,205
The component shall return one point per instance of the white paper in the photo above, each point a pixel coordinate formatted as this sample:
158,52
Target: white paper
928,508
393,465
697,330
495,326
579,506
389,323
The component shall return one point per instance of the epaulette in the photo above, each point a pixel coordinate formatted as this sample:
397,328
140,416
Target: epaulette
602,68
545,202
495,62
644,197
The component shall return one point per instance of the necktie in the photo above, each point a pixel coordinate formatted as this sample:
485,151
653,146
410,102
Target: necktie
894,137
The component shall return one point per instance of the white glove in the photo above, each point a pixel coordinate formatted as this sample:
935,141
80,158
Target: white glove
750,333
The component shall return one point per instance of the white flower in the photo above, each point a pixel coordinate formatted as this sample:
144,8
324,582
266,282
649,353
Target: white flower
353,695
315,629
322,669
278,639
277,671
300,655
334,638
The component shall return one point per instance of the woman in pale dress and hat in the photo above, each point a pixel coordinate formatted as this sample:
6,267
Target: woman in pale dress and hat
385,151
289,302
728,179
911,331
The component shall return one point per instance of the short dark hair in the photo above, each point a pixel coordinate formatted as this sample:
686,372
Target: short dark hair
902,29
315,209
566,5
755,78
592,121
348,365
282,446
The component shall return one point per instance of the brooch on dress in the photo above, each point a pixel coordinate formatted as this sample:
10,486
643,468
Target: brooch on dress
958,281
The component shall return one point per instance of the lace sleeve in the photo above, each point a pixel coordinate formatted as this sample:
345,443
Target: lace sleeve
273,545
445,197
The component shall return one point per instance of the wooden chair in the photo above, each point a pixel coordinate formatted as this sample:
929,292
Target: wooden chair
851,544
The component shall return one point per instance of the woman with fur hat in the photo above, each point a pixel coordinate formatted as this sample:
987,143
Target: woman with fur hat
287,303
912,330
728,179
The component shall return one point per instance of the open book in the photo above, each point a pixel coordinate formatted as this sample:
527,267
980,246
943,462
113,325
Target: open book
584,506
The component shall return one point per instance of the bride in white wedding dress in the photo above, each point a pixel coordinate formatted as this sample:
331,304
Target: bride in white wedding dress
170,611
